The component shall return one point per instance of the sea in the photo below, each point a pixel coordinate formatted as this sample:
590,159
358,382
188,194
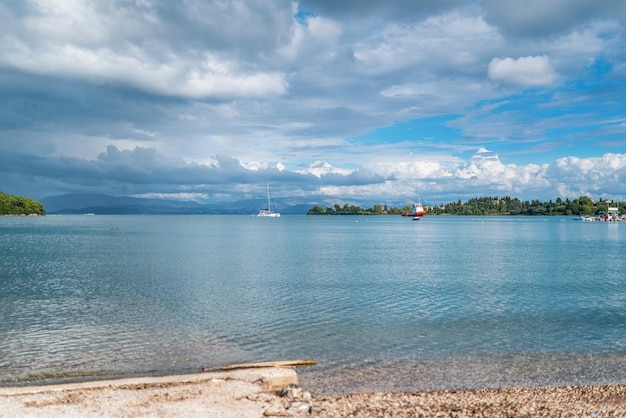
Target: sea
381,303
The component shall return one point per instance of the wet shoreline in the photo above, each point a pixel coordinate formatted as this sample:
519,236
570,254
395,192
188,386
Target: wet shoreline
275,392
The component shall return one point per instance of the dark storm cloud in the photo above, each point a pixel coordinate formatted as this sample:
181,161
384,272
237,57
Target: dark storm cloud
136,171
540,18
234,26
396,10
59,104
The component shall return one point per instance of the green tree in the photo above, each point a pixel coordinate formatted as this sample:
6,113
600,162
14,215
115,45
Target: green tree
17,205
317,210
487,205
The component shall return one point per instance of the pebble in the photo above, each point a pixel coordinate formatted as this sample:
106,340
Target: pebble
590,401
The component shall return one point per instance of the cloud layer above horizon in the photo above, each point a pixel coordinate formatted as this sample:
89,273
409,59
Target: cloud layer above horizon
351,100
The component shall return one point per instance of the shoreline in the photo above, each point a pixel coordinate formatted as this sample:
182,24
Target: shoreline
234,393
274,391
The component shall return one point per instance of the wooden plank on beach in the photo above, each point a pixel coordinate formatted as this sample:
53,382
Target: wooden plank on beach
285,363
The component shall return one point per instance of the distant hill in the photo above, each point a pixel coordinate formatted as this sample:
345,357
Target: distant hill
17,205
80,203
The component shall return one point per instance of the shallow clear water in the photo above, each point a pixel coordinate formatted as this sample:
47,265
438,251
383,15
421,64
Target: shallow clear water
382,303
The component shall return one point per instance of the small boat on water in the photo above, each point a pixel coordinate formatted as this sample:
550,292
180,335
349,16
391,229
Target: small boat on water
268,213
612,215
418,212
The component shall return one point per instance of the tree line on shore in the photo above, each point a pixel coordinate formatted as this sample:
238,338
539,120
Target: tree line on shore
17,205
495,206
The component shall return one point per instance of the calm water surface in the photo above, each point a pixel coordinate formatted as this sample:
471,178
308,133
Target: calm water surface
382,303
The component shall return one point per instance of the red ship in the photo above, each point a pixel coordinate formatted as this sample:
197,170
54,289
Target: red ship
418,212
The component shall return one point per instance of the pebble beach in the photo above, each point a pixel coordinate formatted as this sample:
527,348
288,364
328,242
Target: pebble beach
574,401
274,391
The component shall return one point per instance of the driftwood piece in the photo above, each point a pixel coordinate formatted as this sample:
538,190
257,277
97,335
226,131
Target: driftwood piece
286,363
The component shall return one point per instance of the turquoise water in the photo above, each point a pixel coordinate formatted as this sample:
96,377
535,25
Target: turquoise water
382,303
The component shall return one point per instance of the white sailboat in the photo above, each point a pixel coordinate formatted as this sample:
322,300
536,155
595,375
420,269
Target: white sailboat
268,213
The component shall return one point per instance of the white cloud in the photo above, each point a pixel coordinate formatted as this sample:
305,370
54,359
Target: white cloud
485,168
602,177
317,38
70,21
605,167
422,167
130,46
209,76
530,71
320,168
437,174
451,43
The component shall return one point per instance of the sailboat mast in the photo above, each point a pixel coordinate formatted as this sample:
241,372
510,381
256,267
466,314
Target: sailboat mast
268,197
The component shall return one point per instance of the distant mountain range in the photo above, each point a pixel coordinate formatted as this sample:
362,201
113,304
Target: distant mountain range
80,203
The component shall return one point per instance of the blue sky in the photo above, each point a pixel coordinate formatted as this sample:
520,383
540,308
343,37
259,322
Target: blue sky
334,101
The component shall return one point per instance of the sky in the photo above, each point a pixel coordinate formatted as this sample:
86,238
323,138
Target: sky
383,102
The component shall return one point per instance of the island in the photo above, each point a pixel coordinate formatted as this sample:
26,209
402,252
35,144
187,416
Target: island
20,206
488,206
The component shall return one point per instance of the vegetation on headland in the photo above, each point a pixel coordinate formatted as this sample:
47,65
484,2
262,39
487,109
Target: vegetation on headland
17,205
498,206
356,210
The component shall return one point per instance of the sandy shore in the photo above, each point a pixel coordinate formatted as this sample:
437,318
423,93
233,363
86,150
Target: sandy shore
273,392
235,393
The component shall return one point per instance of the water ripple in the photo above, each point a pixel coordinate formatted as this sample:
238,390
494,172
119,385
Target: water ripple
444,303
